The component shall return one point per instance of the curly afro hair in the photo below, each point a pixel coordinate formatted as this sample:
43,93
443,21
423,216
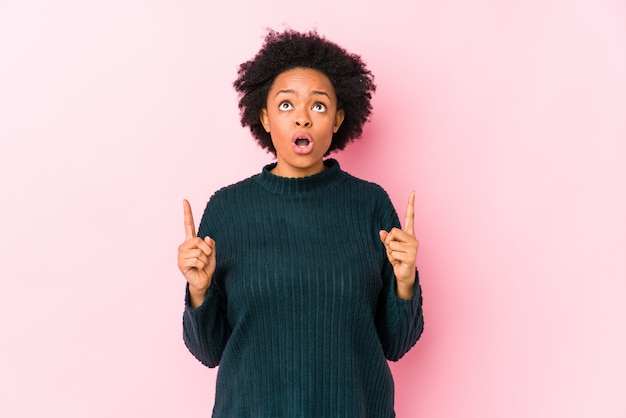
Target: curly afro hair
352,81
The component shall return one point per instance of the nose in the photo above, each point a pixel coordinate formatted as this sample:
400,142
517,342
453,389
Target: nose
303,120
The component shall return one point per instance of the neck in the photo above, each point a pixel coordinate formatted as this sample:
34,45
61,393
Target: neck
294,172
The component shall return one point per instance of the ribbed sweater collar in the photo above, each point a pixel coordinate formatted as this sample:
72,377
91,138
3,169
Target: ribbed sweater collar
329,178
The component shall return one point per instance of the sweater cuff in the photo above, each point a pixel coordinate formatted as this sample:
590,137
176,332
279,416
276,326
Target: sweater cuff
210,294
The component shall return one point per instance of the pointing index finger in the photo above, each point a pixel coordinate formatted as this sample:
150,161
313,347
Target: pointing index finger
190,229
410,215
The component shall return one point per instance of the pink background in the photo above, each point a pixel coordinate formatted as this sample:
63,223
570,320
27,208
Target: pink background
508,118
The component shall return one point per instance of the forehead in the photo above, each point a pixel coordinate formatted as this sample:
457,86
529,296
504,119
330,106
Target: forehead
302,79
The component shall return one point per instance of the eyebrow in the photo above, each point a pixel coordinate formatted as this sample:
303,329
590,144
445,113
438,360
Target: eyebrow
313,92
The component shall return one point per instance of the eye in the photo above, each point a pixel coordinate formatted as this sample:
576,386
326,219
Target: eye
319,107
285,106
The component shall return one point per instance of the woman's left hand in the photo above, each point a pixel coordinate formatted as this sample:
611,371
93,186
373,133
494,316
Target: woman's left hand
402,248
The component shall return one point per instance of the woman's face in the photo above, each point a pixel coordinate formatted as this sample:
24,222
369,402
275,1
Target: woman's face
301,116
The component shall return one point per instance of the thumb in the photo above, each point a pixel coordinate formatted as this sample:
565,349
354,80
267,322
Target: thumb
211,243
383,235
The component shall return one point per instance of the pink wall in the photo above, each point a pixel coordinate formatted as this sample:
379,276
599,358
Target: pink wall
508,118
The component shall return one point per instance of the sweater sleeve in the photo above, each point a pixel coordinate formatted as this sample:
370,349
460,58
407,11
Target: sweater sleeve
205,328
399,322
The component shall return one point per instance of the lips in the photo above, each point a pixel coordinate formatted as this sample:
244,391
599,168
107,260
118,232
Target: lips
302,143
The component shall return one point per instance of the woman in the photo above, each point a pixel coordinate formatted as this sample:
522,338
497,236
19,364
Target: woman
301,282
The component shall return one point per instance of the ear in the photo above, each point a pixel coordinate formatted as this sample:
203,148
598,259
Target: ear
339,116
265,120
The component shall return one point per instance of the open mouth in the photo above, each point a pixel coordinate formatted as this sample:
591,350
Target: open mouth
302,142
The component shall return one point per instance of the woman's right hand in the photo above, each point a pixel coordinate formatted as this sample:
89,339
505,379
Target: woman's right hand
196,259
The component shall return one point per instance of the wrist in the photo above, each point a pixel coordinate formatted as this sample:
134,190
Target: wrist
405,290
196,296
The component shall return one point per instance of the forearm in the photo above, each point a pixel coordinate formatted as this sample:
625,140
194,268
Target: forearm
400,320
205,328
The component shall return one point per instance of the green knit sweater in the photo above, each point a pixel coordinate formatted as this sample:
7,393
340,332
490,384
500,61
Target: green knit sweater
302,313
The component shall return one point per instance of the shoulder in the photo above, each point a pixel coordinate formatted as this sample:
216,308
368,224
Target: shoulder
225,204
367,188
226,200
234,189
367,194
